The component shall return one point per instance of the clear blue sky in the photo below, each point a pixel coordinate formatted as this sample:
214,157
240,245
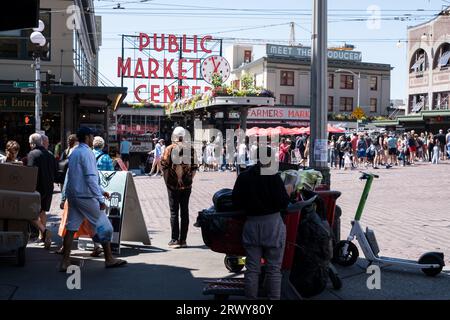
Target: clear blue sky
208,17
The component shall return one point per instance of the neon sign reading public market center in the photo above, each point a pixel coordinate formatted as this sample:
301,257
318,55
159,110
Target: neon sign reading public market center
161,58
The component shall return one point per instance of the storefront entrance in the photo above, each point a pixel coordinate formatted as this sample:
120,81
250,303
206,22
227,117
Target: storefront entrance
17,120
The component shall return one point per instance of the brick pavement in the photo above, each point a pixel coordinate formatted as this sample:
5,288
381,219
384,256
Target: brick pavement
407,208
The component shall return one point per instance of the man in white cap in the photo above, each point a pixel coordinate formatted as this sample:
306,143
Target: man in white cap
179,164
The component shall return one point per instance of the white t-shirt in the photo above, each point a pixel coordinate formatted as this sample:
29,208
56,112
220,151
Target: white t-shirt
447,138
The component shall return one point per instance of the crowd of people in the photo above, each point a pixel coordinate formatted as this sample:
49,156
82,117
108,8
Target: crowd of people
81,190
385,149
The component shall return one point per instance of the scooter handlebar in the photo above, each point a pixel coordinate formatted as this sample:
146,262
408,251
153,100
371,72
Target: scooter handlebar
366,175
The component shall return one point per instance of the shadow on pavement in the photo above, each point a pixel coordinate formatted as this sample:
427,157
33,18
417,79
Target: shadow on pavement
39,279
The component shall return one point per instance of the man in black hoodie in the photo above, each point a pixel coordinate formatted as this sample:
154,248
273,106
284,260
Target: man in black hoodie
45,162
262,196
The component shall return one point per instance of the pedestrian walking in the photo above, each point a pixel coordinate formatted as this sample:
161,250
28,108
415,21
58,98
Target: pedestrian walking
86,200
45,162
179,165
125,146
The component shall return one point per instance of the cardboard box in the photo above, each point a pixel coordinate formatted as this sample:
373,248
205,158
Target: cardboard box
18,178
19,205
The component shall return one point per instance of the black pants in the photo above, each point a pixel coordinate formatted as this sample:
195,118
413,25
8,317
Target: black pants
179,205
341,160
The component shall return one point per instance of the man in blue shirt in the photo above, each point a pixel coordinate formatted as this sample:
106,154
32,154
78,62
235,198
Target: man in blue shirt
125,146
392,146
86,200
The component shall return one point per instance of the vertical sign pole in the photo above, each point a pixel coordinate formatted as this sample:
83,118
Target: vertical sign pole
319,75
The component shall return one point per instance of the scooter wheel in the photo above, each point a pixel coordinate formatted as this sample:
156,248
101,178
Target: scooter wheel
232,264
348,259
431,258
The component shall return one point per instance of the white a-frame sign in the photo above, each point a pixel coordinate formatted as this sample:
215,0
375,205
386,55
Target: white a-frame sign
124,210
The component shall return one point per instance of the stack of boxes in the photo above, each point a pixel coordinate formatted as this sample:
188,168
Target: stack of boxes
19,204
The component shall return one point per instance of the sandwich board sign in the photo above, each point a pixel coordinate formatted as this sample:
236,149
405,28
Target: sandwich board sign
123,210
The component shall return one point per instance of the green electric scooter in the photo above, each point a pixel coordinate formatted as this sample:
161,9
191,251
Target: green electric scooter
346,253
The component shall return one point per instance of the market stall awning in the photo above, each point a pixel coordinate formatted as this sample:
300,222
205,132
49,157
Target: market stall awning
281,131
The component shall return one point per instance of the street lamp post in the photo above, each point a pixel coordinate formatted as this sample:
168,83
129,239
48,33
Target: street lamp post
358,103
39,40
319,70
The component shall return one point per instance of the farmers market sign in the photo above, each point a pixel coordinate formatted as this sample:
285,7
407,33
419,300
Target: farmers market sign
305,52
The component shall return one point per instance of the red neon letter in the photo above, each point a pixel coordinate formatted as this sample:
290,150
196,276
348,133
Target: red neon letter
142,45
163,42
169,96
173,43
124,70
195,62
152,72
181,71
195,44
154,94
195,88
168,68
202,44
185,49
183,90
137,91
139,69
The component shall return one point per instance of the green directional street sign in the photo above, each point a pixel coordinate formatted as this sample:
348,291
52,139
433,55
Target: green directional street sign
24,84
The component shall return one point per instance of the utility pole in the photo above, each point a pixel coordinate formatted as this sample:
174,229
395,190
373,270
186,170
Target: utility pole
319,97
38,93
292,34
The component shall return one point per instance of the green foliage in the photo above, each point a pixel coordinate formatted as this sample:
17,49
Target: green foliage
217,80
247,81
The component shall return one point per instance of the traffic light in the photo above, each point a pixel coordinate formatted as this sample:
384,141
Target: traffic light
28,120
49,80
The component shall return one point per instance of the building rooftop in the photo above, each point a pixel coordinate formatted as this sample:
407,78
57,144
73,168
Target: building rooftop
307,61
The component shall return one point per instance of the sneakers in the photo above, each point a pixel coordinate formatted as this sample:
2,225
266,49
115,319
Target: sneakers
183,244
174,244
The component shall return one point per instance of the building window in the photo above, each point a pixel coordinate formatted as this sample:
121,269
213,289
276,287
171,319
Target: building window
247,56
373,105
331,81
373,83
287,99
16,44
442,56
346,104
347,81
419,62
330,104
287,78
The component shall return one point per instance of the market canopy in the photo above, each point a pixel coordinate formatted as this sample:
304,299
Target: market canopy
281,131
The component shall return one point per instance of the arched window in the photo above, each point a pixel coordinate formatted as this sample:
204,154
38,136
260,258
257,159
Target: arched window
442,56
419,61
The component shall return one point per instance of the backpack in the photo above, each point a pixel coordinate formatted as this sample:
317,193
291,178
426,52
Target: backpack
63,166
223,200
300,144
313,253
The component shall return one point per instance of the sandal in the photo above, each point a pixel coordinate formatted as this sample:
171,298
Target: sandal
97,252
117,263
47,238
